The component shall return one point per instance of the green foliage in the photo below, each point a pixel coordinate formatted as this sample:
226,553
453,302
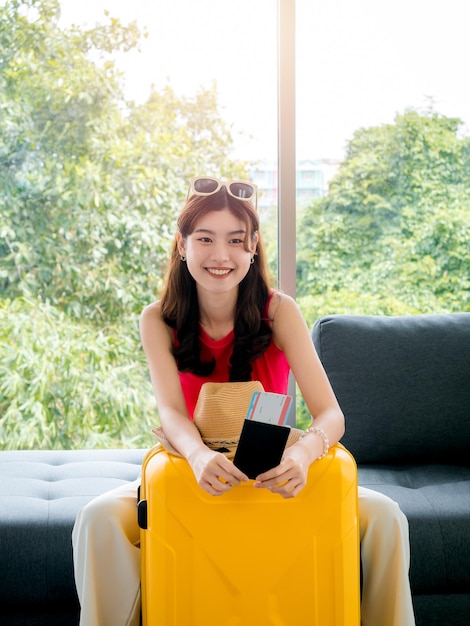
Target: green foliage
67,385
91,184
392,235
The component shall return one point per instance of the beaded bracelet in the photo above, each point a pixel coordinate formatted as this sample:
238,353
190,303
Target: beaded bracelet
326,442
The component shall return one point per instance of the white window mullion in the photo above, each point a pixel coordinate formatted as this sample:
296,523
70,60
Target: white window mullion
287,157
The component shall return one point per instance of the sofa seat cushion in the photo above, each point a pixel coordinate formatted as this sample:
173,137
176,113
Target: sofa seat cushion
436,501
40,495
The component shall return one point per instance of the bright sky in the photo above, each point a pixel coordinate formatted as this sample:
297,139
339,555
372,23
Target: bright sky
359,62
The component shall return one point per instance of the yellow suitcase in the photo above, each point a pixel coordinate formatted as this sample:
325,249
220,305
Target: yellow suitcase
249,557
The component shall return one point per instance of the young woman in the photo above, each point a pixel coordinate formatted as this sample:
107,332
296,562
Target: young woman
218,320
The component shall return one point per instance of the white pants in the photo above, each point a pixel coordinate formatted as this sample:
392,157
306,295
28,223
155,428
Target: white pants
107,560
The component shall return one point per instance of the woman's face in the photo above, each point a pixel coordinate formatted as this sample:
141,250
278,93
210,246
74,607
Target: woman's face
215,251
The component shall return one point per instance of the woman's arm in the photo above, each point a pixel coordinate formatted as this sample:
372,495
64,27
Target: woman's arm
208,466
291,335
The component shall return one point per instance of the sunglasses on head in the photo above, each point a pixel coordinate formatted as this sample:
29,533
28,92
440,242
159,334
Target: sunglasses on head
207,185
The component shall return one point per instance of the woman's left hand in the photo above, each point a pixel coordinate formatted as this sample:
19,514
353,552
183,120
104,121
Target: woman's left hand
289,477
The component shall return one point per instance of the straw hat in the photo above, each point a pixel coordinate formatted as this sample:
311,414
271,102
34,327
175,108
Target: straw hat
219,414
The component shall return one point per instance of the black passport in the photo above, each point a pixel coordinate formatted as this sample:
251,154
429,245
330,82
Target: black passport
260,448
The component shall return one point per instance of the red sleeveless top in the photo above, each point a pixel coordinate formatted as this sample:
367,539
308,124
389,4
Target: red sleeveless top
271,369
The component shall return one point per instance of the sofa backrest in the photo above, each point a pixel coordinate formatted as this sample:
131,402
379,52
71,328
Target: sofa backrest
403,384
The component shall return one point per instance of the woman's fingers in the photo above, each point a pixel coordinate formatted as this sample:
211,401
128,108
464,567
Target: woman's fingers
220,475
287,479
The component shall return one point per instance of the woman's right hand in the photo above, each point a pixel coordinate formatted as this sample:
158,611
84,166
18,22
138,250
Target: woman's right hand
214,472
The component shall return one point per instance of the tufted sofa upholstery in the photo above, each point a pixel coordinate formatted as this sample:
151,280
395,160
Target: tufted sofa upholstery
40,495
404,386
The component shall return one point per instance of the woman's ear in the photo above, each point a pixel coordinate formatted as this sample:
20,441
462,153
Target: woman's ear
254,242
181,244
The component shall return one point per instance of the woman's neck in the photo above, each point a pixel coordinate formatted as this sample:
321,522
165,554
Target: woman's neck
217,314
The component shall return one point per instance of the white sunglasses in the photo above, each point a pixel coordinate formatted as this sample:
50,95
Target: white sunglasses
207,186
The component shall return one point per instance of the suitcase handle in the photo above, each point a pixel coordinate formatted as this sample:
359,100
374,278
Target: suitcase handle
142,514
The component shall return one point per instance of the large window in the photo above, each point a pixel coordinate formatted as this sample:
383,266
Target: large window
94,166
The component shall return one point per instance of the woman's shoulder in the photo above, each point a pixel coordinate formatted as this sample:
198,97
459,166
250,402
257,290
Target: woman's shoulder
151,319
276,300
152,311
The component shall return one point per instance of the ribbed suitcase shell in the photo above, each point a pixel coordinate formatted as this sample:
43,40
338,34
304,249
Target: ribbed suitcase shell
249,557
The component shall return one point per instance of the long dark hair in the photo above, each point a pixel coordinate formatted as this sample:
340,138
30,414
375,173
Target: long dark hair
179,303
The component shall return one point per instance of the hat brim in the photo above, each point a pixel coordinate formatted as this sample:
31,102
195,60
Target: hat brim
219,414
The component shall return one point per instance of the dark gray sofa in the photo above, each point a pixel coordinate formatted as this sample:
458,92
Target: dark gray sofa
404,386
40,494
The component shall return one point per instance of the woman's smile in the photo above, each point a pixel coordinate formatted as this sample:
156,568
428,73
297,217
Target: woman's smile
219,272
